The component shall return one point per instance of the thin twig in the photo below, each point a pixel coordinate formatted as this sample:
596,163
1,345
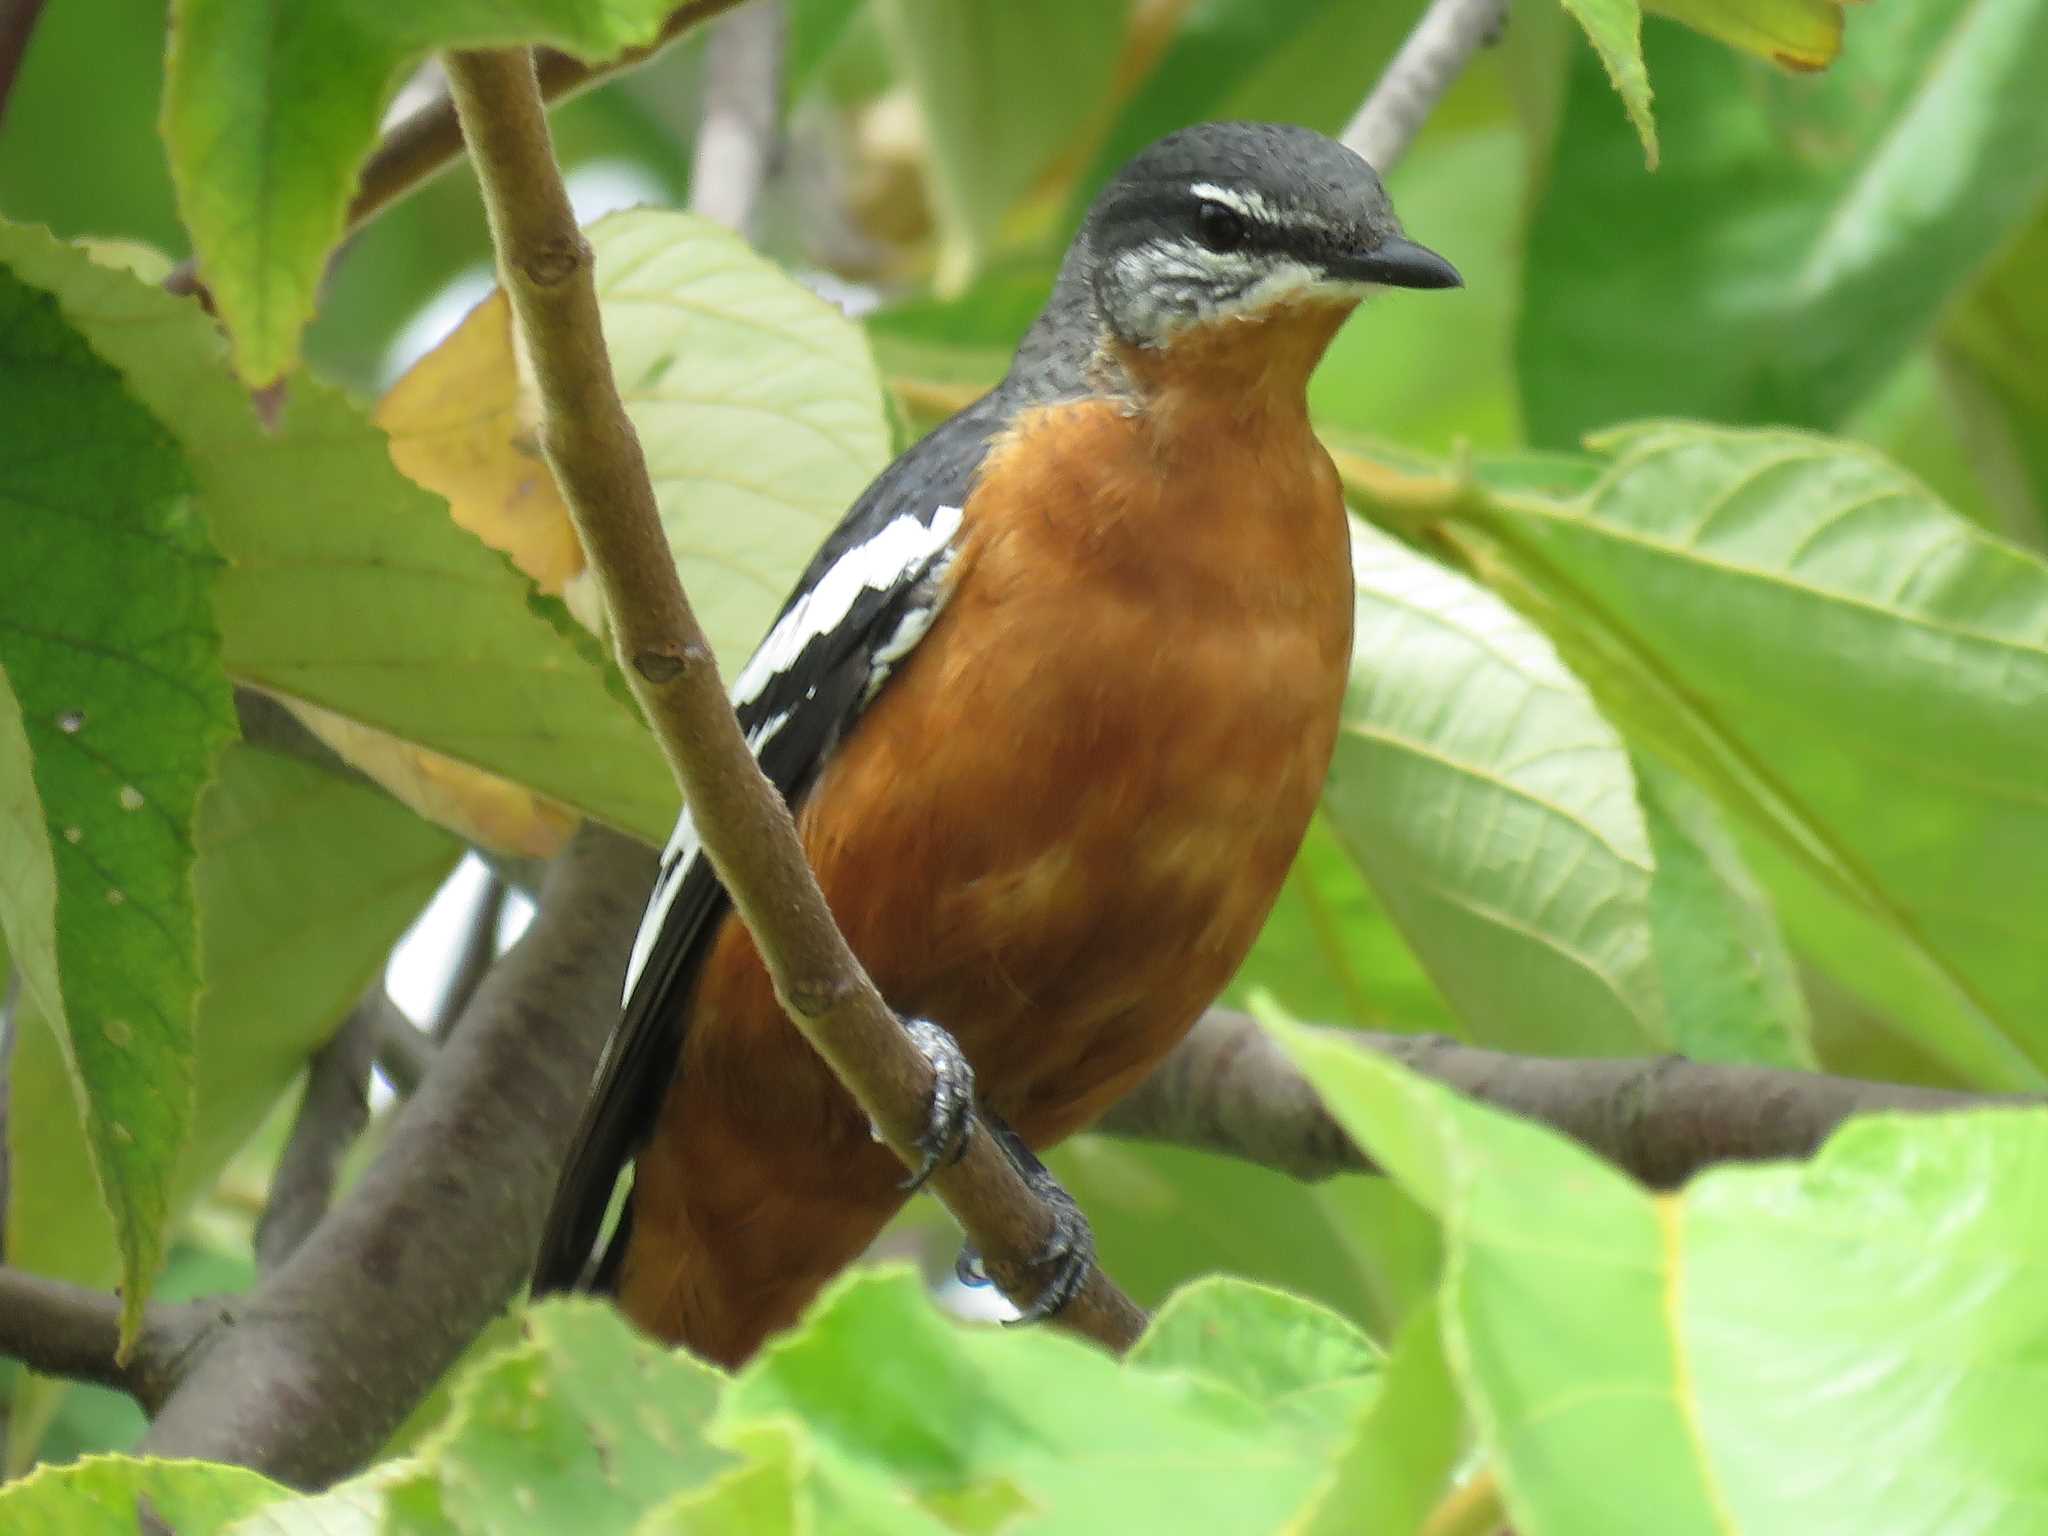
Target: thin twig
746,828
738,137
331,1116
1228,1088
338,1344
431,138
1429,61
18,20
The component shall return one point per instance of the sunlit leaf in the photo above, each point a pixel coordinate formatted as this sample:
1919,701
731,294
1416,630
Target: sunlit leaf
1389,1478
1494,811
118,1496
1846,1345
884,1383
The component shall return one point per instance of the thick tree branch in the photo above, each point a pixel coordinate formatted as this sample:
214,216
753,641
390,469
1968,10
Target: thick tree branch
331,1116
1429,61
70,1330
313,1370
1228,1088
746,828
431,138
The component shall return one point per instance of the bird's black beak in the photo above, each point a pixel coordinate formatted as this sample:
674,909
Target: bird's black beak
1400,263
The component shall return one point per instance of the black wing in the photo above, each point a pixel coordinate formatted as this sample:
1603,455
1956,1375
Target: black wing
865,599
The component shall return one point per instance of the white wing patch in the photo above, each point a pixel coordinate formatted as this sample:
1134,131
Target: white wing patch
905,549
909,629
676,859
903,546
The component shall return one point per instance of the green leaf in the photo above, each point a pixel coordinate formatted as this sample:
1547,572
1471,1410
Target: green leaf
1839,659
763,1496
1992,343
757,403
1329,951
346,585
1494,810
815,26
886,1385
1803,234
1730,990
353,1508
584,1427
108,1495
1405,1444
1002,89
1166,1216
1288,1355
305,880
269,113
1615,29
117,709
1743,1355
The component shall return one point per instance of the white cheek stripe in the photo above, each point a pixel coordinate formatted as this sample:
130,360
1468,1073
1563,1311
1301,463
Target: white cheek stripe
903,546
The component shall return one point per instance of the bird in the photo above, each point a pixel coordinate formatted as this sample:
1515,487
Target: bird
1053,706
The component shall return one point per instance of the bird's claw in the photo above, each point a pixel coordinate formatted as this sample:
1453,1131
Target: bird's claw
950,1116
1068,1251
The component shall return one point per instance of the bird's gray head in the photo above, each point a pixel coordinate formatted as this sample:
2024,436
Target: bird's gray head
1227,220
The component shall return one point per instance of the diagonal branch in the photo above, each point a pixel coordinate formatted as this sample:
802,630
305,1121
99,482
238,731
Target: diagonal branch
746,829
314,1369
1428,63
332,1114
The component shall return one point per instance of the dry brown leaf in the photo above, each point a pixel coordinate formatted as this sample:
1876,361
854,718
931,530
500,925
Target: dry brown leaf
462,426
478,807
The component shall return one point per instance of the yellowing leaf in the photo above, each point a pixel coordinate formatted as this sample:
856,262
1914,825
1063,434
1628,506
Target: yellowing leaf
479,807
462,425
1799,34
757,405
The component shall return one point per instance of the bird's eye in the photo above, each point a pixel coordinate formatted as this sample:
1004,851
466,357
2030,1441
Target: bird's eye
1219,228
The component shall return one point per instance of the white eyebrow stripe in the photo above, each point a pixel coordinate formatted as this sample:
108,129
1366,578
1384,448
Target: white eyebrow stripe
1255,207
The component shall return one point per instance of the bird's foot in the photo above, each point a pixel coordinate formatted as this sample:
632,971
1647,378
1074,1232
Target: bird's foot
1067,1255
951,1114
